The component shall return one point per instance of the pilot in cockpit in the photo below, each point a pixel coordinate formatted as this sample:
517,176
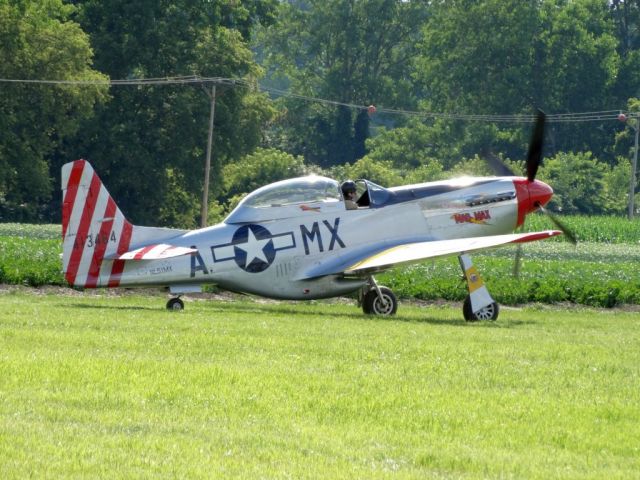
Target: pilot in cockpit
349,193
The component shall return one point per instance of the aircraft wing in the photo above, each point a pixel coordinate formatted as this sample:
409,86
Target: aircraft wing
413,252
158,251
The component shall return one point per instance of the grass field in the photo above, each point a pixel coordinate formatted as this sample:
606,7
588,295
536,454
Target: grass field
117,387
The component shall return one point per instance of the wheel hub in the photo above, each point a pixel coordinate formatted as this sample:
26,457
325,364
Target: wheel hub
487,313
383,306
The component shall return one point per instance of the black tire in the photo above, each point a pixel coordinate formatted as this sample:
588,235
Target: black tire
490,312
372,305
175,304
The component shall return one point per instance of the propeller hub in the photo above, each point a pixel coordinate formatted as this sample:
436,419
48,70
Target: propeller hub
531,195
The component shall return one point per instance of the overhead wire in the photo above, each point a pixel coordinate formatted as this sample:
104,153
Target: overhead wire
572,117
133,81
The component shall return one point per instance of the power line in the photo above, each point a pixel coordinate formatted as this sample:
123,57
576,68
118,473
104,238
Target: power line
597,116
181,80
511,118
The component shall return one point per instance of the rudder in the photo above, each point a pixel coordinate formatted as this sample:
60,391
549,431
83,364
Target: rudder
92,227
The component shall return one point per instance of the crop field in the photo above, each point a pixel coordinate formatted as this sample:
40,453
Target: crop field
97,385
601,271
595,274
600,229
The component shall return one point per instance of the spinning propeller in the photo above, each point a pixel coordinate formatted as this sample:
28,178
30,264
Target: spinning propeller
534,159
532,194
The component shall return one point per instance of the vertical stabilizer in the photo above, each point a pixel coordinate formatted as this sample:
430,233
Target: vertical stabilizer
93,227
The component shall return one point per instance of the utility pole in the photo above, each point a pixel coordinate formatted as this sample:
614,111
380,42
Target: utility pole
204,209
634,164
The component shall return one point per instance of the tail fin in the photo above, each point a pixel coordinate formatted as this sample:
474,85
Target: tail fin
92,227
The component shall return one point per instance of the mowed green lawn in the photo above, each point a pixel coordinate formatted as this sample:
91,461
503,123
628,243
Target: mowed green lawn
117,387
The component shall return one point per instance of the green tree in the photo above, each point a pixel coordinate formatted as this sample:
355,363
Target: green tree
624,139
39,41
505,57
617,186
406,147
380,172
626,17
350,51
146,135
579,70
258,169
579,183
409,151
472,167
625,144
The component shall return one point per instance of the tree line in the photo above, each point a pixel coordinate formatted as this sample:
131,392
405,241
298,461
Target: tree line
481,57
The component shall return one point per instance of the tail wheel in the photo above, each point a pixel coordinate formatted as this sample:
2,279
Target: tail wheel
175,304
374,305
490,312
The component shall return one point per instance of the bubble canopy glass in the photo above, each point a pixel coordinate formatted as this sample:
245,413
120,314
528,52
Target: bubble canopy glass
286,193
294,191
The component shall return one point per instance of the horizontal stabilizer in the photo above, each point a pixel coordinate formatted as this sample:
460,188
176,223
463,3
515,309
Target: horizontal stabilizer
159,251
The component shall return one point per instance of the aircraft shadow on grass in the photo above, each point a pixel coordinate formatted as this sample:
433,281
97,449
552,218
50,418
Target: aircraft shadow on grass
123,308
293,311
430,319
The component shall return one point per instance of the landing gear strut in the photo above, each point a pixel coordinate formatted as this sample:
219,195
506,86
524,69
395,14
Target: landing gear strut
377,300
175,304
478,305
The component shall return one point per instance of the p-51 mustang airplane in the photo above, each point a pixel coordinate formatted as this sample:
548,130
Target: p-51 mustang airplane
296,239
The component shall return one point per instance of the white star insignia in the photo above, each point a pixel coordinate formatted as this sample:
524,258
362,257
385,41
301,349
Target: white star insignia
254,248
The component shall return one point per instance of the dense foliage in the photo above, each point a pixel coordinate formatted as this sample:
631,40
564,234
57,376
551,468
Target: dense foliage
460,56
351,52
38,40
148,143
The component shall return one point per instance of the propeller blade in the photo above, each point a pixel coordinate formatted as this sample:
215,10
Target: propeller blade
534,156
517,262
561,226
499,168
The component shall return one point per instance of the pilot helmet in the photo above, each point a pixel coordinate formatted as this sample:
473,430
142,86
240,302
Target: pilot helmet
348,186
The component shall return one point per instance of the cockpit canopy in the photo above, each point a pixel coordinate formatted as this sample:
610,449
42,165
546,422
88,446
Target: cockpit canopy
288,198
294,191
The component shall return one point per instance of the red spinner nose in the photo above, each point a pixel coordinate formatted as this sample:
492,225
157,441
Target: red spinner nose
530,196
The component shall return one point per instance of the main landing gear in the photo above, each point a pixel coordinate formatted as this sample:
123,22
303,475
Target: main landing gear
478,305
175,304
377,300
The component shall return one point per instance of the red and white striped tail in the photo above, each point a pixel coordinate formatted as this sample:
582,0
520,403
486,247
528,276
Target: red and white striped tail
93,227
